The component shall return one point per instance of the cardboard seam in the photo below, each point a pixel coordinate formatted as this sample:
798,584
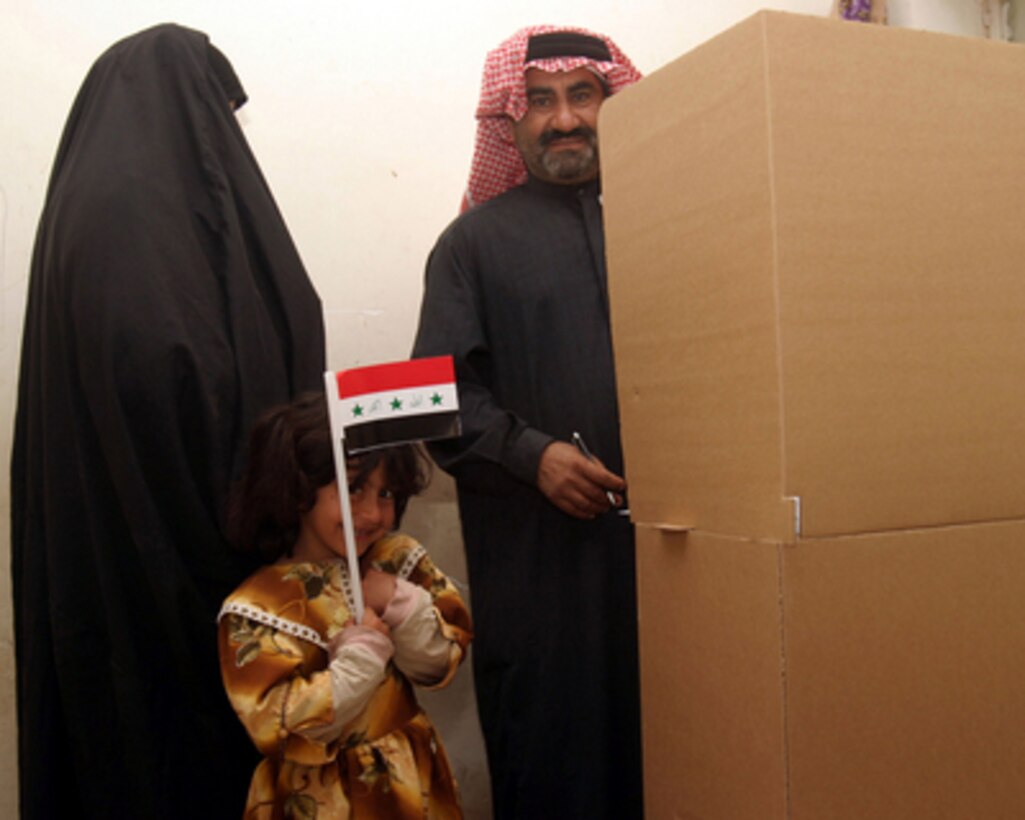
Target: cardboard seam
783,679
674,529
958,525
770,540
774,229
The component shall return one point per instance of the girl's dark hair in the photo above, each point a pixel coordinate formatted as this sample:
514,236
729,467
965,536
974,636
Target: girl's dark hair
289,458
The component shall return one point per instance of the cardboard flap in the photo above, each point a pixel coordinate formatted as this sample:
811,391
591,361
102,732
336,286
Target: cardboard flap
899,187
690,254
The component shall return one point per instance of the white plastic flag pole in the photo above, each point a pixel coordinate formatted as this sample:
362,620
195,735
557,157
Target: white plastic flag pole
338,444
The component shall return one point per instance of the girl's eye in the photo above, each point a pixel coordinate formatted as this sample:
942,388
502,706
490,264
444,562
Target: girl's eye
388,494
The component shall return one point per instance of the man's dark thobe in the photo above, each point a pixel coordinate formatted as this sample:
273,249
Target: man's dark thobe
516,291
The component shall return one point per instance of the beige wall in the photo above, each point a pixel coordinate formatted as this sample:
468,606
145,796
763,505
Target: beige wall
361,115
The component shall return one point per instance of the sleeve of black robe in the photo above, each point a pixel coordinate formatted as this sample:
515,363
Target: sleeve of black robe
167,308
495,441
515,292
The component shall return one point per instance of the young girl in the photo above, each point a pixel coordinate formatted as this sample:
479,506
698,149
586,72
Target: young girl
329,701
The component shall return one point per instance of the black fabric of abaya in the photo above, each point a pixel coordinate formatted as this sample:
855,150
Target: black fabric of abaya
167,308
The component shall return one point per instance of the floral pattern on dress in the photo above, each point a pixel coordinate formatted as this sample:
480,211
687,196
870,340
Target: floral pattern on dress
388,761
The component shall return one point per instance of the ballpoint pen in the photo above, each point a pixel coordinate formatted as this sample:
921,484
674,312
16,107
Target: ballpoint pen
582,447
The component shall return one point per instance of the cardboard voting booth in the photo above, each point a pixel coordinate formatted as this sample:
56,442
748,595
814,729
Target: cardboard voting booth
817,279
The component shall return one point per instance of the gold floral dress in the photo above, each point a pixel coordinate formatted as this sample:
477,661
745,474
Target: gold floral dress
333,714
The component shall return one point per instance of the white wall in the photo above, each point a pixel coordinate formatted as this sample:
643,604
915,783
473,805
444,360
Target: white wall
361,115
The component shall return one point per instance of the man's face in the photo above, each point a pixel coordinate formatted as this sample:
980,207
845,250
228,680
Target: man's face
557,137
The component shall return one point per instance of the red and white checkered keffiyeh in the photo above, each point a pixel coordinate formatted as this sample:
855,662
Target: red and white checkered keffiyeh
497,165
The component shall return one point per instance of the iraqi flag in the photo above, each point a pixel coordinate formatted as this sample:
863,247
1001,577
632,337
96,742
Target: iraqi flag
395,403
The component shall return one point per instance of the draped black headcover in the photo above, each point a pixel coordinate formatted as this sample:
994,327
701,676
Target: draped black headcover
167,307
226,76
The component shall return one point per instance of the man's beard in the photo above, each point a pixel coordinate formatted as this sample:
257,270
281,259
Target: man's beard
566,164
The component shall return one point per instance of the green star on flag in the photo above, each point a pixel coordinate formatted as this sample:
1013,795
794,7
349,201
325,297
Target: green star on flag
436,399
396,404
357,410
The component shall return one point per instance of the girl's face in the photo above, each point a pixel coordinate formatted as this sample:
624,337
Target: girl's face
321,536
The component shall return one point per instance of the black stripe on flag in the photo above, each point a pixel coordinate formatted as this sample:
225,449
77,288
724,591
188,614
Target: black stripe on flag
387,432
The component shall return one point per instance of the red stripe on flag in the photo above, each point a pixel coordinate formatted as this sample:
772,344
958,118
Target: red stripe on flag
378,378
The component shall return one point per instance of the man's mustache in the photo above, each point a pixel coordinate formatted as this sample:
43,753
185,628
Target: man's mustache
551,135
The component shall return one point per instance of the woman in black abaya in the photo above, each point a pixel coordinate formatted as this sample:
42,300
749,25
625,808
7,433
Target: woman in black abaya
167,308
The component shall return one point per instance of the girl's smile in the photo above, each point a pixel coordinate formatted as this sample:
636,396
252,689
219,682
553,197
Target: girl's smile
322,537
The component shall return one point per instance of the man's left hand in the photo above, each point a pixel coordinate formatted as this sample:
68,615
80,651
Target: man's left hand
575,484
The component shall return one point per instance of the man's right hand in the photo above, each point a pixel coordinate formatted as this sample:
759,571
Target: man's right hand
574,483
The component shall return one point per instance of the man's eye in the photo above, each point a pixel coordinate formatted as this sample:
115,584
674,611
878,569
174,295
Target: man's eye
539,102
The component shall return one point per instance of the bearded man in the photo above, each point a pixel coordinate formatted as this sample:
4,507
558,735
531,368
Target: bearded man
516,292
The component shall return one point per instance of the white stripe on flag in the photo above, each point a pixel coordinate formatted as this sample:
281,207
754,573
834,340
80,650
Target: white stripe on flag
395,404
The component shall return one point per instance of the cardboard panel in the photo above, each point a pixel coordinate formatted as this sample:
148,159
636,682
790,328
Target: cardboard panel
814,262
712,691
899,187
690,249
905,656
865,676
